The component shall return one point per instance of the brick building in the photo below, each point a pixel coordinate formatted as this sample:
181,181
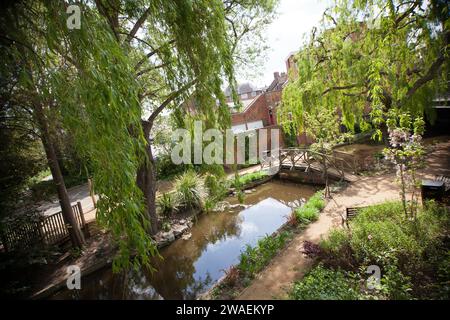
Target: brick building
258,106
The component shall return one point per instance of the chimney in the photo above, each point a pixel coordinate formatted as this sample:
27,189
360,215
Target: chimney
276,75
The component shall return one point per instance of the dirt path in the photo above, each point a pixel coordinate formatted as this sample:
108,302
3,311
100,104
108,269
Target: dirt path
275,281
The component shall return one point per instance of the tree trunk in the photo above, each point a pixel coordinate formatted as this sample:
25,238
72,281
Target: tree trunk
385,134
75,234
146,181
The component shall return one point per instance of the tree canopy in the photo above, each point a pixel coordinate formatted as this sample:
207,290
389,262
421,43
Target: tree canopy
368,56
129,60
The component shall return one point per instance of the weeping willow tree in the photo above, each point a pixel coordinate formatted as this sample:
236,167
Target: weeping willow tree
108,81
183,50
82,79
367,57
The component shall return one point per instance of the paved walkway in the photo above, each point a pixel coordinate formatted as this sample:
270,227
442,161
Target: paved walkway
81,193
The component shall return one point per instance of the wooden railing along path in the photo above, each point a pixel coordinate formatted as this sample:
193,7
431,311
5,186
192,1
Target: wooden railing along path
47,230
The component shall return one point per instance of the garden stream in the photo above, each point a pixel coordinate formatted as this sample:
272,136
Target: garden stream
191,267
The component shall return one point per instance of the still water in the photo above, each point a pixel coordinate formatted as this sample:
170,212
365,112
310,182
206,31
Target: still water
191,267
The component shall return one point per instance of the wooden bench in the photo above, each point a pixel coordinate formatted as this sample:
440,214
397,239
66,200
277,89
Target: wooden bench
351,212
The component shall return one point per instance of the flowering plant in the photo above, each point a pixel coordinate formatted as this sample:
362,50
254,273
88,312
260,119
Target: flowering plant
406,152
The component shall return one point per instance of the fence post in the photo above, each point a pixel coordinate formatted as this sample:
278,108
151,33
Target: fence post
85,225
91,192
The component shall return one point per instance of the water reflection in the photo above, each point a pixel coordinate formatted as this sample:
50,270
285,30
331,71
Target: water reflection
190,267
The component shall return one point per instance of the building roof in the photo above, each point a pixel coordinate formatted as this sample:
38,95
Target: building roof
278,81
242,88
245,103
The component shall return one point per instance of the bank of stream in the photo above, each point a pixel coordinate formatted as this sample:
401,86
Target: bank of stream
190,267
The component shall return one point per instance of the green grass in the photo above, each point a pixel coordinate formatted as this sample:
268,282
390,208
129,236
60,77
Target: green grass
306,215
310,211
316,201
248,178
253,259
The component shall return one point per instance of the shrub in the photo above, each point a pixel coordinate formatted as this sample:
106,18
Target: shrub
217,188
316,201
209,205
410,252
166,169
310,211
325,284
336,241
167,204
311,250
253,259
231,275
249,177
395,285
336,252
190,191
381,234
385,211
306,215
443,276
292,219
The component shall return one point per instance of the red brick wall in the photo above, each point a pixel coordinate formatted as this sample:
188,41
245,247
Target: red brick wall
259,109
256,111
269,141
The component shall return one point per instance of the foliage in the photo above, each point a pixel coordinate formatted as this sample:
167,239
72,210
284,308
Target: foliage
395,285
325,284
407,154
167,204
99,109
128,59
369,56
335,242
309,212
323,126
190,190
253,259
292,219
232,275
166,169
22,159
409,253
316,201
248,178
381,235
306,215
217,187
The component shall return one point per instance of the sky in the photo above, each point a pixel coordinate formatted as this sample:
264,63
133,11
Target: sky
284,35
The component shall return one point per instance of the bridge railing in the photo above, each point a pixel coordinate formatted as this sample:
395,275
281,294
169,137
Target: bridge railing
304,157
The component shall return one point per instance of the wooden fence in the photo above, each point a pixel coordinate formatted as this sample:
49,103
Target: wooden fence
47,230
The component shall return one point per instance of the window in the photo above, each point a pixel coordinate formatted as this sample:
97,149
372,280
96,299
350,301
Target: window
255,125
238,128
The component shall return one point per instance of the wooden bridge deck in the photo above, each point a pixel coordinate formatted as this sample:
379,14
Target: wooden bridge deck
333,173
307,161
